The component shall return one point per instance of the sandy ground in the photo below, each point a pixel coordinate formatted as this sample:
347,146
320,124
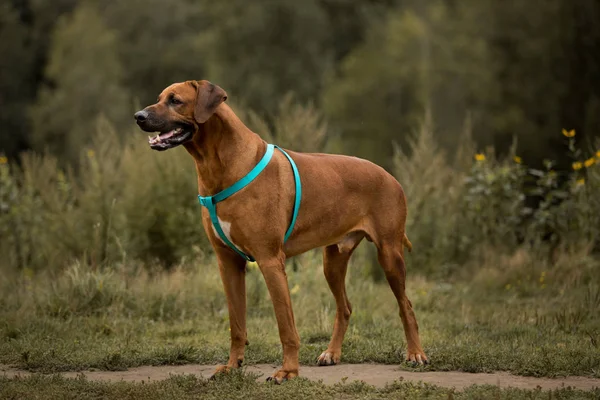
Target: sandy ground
373,374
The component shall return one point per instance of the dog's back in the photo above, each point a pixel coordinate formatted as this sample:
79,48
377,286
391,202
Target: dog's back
349,194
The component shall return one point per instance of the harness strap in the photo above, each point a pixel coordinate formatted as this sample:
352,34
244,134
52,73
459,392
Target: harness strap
210,201
298,187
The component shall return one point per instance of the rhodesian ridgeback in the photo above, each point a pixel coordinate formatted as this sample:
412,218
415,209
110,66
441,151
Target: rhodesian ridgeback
344,199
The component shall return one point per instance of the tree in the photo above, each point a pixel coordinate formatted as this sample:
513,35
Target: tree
16,88
547,61
85,81
158,42
427,57
259,51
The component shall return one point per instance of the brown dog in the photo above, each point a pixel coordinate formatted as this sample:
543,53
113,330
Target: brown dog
344,199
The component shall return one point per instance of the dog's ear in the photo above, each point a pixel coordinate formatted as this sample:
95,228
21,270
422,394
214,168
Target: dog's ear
208,98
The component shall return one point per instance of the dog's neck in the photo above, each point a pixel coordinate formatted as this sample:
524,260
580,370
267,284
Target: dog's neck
224,151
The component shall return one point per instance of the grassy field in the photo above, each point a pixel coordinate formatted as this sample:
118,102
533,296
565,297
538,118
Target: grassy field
514,313
240,386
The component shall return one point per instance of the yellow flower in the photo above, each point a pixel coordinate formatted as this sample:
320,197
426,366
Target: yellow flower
480,157
598,154
567,133
517,159
91,153
580,182
589,162
295,289
577,165
4,160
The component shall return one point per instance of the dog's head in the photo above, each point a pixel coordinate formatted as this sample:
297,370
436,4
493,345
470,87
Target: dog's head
178,113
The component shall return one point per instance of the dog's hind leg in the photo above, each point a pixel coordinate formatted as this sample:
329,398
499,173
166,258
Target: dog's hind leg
335,265
391,258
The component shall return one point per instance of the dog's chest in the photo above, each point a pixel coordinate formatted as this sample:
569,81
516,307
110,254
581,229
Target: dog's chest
226,226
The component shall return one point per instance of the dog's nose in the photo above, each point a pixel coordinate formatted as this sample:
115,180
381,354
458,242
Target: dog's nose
141,116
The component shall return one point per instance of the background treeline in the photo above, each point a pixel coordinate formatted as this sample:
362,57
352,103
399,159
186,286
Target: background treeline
524,69
419,87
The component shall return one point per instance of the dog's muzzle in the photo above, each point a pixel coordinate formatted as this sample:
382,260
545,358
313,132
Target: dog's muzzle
168,135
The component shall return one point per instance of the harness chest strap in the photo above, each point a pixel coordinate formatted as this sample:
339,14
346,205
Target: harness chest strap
210,202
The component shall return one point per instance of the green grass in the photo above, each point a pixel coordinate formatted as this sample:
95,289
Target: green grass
241,386
513,314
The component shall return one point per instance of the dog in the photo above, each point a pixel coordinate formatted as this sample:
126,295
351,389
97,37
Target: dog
344,200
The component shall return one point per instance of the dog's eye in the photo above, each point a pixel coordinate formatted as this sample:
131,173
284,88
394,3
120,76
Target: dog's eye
175,101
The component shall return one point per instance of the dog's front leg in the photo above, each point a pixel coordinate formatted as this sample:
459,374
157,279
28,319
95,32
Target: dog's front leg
273,270
233,268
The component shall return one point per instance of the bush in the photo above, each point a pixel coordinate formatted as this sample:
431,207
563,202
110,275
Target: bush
434,189
569,211
457,209
124,202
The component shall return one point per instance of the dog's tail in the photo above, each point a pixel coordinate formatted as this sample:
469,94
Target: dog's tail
406,243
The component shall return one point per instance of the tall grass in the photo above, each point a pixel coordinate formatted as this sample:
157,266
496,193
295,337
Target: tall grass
507,312
461,206
193,290
83,253
127,203
122,203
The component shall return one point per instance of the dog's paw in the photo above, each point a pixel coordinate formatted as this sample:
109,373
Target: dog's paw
281,376
417,357
221,369
224,369
329,357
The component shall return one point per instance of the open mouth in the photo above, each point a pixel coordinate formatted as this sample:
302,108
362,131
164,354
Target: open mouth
170,139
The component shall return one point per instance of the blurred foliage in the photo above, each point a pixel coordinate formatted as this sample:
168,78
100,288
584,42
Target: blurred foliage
81,62
261,50
361,77
457,209
126,203
296,126
123,202
15,92
373,66
159,42
416,59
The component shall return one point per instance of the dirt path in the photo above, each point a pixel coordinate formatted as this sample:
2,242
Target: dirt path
373,374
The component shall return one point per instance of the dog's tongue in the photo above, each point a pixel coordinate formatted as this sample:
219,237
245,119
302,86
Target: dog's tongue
167,135
163,136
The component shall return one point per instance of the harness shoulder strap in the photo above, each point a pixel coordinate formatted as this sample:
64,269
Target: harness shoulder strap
250,176
298,197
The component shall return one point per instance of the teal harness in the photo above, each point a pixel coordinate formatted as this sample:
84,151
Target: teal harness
210,202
